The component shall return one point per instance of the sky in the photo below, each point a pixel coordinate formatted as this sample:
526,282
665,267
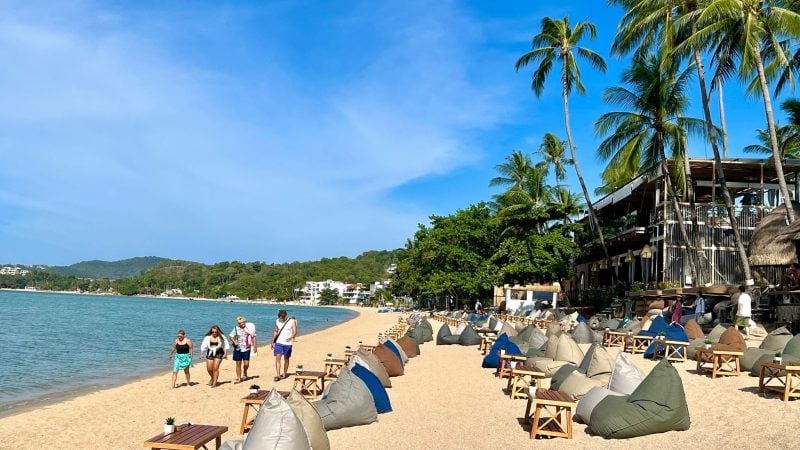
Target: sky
275,131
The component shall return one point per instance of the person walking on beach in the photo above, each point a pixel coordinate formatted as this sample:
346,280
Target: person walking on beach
243,337
183,349
282,341
699,306
743,311
215,349
677,310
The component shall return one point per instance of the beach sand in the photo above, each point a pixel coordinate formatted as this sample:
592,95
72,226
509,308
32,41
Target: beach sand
445,400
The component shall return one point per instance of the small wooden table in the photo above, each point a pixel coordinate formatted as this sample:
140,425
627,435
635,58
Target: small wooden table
504,368
718,362
368,348
640,343
676,351
309,383
552,413
188,437
333,367
348,354
253,402
615,338
517,383
486,344
542,324
787,384
486,331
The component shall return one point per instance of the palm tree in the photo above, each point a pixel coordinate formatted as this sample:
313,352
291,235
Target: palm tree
553,152
525,208
566,204
788,142
655,97
750,27
558,41
513,171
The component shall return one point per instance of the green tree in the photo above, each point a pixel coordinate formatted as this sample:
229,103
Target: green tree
558,41
329,297
514,171
553,153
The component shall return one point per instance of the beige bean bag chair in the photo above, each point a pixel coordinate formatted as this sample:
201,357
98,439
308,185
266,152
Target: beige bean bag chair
368,360
310,419
276,426
567,352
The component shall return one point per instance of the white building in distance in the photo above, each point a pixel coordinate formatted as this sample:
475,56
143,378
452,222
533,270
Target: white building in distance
12,270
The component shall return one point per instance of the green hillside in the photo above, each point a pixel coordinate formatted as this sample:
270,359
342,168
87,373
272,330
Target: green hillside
125,268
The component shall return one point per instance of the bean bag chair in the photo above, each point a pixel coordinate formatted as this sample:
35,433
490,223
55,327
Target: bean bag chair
461,328
519,326
550,348
395,347
588,402
560,375
379,395
498,326
368,360
492,359
716,332
656,326
391,362
691,350
537,338
469,337
791,353
312,422
583,334
581,319
553,328
634,326
508,329
625,377
578,384
444,331
658,405
417,334
730,341
776,340
276,426
693,330
523,335
491,323
596,366
410,346
348,402
567,352
612,324
427,330
674,332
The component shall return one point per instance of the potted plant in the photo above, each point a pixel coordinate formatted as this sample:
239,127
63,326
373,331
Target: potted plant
513,365
169,425
299,368
708,344
778,358
347,349
662,336
254,388
330,356
502,352
532,388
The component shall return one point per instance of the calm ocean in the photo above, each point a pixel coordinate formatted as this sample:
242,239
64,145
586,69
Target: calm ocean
60,345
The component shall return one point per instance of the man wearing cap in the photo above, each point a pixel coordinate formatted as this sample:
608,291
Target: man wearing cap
243,337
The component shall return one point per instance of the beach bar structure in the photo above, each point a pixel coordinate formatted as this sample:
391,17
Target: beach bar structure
644,242
527,296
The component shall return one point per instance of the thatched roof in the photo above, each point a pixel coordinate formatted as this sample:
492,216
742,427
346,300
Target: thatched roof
770,245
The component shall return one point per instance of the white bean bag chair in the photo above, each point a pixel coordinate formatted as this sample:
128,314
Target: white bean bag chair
348,403
625,377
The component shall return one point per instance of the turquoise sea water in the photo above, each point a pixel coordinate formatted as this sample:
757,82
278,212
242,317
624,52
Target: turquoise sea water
60,345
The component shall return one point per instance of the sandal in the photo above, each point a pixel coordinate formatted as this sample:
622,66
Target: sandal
277,379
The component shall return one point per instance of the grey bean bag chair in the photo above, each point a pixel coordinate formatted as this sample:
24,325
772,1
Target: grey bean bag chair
583,334
444,331
418,334
348,403
791,353
589,401
774,342
469,337
594,371
427,330
276,426
658,405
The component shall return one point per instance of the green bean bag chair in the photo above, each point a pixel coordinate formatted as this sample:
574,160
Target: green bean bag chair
790,353
658,405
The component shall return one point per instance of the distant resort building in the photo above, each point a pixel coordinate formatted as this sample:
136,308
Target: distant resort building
13,270
353,294
171,292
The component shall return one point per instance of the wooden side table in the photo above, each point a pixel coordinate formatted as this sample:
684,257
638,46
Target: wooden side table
615,339
253,403
333,367
368,348
486,344
188,437
718,362
787,376
676,351
640,343
504,368
552,413
517,383
309,383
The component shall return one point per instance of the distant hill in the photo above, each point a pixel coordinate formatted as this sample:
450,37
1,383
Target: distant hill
114,270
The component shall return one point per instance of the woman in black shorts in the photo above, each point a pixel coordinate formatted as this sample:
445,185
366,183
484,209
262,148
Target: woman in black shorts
214,348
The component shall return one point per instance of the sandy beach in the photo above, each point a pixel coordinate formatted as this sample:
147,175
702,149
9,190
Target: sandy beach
445,400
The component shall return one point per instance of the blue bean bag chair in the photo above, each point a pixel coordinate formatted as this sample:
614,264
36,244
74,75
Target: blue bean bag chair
379,395
492,360
581,319
657,325
393,348
674,332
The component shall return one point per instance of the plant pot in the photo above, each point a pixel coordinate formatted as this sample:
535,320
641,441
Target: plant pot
777,360
532,391
708,346
254,391
513,365
169,429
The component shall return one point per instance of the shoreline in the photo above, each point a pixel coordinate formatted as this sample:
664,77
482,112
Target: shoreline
105,384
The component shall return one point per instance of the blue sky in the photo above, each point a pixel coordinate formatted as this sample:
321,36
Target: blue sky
272,131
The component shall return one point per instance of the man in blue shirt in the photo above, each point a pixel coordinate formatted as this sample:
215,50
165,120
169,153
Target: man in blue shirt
699,306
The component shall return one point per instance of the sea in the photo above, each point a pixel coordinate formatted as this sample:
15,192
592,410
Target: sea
57,346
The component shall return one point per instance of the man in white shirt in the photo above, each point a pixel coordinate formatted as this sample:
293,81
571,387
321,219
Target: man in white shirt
243,337
743,311
478,308
282,340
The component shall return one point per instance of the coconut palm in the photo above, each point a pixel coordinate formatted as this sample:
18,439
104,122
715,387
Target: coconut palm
566,204
553,152
524,209
788,142
655,99
558,41
750,28
513,171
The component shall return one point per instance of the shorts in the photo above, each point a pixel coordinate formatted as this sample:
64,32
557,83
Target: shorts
743,321
285,350
215,354
241,355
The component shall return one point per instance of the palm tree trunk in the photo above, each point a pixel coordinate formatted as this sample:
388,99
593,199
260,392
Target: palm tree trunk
592,214
678,215
698,236
773,138
722,121
712,137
